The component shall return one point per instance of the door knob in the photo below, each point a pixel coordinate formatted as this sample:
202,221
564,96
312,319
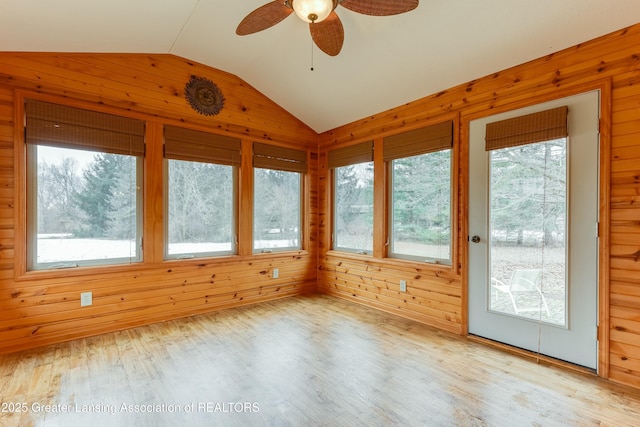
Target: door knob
475,239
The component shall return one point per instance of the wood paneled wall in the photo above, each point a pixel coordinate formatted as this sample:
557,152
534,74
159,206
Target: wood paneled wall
41,308
437,295
41,311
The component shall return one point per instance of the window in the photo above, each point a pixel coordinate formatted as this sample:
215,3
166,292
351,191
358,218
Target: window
420,193
84,180
277,195
200,193
353,198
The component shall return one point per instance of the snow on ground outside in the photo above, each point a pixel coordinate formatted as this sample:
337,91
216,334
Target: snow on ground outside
55,249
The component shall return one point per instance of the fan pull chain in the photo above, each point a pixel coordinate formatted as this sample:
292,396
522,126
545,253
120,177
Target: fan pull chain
311,54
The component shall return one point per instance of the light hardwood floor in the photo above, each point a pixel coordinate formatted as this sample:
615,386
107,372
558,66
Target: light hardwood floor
301,361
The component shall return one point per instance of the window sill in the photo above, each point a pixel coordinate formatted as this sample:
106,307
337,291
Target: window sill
396,262
223,259
278,254
91,270
133,268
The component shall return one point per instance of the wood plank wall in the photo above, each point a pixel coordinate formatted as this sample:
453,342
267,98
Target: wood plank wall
38,312
39,309
437,295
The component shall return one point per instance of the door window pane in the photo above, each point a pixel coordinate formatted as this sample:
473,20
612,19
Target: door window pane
528,231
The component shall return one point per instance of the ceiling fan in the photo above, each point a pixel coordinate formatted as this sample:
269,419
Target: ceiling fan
325,25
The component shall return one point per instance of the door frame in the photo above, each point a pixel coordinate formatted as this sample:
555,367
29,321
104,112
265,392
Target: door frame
517,101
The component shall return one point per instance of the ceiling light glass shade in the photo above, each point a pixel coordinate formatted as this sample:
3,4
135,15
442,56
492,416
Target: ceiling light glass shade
312,10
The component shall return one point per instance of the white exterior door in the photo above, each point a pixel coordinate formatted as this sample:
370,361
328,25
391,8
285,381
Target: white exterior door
533,213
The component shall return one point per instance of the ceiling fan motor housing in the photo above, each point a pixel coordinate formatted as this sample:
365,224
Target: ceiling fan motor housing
312,11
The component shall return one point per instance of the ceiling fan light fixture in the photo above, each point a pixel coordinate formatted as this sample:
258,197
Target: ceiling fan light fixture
329,34
313,11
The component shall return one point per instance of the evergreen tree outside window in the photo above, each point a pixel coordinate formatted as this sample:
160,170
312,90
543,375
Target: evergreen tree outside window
420,225
84,185
420,165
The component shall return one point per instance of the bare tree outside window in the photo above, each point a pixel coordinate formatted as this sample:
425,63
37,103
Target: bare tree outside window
353,223
277,210
201,208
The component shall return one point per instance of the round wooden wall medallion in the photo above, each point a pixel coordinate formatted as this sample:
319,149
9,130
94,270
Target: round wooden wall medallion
204,96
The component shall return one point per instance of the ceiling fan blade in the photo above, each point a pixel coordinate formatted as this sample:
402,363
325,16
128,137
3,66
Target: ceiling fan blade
380,7
264,17
328,35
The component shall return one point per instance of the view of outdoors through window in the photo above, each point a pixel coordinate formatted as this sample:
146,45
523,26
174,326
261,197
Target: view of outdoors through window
528,193
421,207
354,207
201,208
277,209
86,205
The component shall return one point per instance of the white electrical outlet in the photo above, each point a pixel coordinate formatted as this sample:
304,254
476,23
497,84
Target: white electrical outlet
86,298
403,286
276,273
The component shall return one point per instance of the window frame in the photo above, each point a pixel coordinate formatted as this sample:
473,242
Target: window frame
286,159
27,175
390,209
301,216
194,255
334,213
361,152
203,147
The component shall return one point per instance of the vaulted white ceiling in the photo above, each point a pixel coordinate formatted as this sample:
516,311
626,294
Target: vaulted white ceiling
385,61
